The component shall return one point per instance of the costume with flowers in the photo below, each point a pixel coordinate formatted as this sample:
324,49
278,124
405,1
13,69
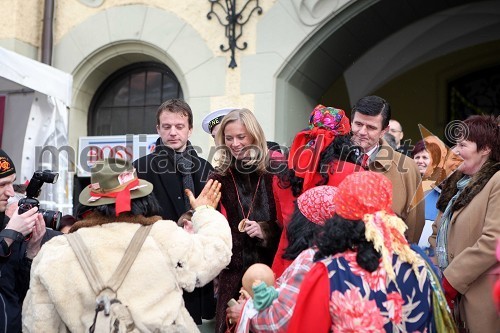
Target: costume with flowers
325,124
171,260
316,204
339,295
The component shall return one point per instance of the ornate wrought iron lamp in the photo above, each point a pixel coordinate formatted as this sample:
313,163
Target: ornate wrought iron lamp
233,23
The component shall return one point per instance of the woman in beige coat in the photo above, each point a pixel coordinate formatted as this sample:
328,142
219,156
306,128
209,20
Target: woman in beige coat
171,259
466,231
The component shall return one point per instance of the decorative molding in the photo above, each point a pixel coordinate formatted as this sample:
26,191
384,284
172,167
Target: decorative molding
92,3
312,12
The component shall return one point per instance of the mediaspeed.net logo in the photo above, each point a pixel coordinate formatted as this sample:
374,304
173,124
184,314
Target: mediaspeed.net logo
455,131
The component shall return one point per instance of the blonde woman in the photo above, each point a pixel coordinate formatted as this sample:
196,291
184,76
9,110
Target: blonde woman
247,202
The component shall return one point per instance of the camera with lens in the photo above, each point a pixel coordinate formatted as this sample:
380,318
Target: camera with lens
52,218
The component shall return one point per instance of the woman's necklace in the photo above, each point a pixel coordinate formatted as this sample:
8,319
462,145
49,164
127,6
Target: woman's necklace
241,225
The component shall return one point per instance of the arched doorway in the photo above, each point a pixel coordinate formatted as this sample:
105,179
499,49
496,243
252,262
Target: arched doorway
384,48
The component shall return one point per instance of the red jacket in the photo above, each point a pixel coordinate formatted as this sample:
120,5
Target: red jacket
285,204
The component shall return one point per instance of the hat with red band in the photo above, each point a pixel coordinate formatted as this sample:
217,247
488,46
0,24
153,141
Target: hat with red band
114,180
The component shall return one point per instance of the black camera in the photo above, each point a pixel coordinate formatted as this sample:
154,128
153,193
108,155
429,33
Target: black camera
52,218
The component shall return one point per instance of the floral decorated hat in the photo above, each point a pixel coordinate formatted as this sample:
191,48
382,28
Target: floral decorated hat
325,123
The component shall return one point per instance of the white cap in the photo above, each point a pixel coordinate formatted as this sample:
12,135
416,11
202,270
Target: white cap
207,123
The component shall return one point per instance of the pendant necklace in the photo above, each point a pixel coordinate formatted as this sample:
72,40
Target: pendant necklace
241,225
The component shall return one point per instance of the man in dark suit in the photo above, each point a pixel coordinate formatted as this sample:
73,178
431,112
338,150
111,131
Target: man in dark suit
173,167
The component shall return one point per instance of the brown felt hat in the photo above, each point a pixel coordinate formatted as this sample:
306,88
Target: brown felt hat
112,176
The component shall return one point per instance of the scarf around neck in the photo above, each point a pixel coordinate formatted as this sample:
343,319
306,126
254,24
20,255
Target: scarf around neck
442,235
183,165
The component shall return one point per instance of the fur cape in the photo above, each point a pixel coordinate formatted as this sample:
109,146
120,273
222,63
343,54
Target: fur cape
94,219
477,183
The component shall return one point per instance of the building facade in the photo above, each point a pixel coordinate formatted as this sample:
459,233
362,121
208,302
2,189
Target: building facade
415,53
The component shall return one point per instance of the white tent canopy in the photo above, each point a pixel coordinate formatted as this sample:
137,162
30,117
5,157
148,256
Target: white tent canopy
32,74
37,98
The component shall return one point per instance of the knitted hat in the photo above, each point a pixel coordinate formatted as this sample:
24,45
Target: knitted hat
316,204
114,180
6,165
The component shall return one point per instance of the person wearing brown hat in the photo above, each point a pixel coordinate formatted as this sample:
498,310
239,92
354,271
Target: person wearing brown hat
113,207
16,251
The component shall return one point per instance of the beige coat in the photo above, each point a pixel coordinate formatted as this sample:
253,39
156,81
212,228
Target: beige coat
407,194
60,297
472,239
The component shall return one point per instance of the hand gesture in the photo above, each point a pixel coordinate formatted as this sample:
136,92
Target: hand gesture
25,222
210,195
234,312
35,241
253,229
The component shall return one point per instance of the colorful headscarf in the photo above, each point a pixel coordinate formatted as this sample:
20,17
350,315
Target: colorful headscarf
367,196
325,123
366,193
316,204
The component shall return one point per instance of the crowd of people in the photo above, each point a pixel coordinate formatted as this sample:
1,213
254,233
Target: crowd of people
345,230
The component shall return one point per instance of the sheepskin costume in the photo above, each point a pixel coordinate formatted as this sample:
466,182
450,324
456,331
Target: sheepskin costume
60,299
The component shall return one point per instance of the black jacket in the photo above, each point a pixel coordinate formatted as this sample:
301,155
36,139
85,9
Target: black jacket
14,280
159,169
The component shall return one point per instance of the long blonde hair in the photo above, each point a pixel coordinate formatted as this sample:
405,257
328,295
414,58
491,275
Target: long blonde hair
258,154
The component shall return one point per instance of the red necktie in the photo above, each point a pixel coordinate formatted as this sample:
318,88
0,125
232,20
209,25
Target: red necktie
364,161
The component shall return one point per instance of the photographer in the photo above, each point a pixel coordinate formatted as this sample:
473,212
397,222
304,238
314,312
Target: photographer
21,237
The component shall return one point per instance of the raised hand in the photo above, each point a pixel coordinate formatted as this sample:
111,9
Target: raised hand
210,195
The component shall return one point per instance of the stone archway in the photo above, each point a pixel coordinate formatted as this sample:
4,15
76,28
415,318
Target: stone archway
365,45
124,35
